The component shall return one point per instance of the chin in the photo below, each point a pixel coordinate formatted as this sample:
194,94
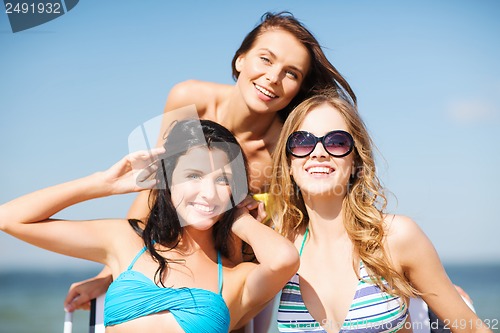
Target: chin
324,190
200,225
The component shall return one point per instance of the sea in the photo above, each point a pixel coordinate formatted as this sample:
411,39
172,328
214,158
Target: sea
32,301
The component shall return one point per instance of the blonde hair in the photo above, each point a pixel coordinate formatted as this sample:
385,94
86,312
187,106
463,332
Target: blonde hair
363,206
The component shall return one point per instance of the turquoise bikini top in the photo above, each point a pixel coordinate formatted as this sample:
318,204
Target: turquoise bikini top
133,295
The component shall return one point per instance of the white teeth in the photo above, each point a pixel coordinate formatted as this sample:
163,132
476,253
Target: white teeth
319,170
203,208
265,92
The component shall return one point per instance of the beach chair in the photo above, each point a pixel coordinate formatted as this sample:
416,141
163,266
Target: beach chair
96,320
96,317
419,313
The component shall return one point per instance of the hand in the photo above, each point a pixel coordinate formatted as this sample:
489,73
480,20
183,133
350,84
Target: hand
81,293
133,172
255,207
261,215
465,297
243,217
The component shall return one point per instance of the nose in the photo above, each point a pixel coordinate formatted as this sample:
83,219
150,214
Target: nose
319,151
273,74
207,188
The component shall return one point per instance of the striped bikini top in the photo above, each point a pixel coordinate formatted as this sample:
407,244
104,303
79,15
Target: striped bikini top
371,310
133,295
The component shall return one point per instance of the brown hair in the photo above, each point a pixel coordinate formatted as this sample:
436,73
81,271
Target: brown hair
322,74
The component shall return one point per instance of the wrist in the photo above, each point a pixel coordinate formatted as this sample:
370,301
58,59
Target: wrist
107,279
242,224
96,186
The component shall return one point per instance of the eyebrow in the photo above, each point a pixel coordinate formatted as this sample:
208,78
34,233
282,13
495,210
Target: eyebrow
230,173
290,66
191,170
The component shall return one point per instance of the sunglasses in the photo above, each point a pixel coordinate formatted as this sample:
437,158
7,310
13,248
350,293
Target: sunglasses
336,143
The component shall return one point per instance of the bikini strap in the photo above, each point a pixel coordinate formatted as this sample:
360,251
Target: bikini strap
303,241
137,257
220,277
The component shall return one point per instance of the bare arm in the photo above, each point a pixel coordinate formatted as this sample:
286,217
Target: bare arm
278,261
28,217
415,253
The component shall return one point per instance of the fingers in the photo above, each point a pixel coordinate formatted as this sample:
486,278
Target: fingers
79,302
249,203
147,184
146,173
77,298
261,212
72,294
463,293
466,298
157,151
144,158
145,165
81,293
148,155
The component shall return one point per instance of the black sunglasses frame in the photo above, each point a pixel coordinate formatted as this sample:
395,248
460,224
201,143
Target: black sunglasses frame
322,140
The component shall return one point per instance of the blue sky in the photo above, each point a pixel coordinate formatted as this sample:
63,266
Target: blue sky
426,74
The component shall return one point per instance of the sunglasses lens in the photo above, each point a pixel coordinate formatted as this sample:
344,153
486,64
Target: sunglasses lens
301,144
338,143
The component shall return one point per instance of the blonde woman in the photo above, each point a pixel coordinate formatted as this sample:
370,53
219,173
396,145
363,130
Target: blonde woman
359,266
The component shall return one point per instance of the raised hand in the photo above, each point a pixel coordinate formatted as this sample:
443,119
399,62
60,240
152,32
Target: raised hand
255,206
134,172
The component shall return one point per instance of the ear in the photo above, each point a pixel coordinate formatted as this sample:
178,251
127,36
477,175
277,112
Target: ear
239,62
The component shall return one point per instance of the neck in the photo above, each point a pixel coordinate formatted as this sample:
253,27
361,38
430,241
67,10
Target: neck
194,240
243,122
326,220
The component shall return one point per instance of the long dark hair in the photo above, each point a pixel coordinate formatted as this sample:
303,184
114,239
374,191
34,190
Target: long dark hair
321,75
163,225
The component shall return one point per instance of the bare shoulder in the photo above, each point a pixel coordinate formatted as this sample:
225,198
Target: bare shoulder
200,93
400,226
189,87
402,230
405,239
